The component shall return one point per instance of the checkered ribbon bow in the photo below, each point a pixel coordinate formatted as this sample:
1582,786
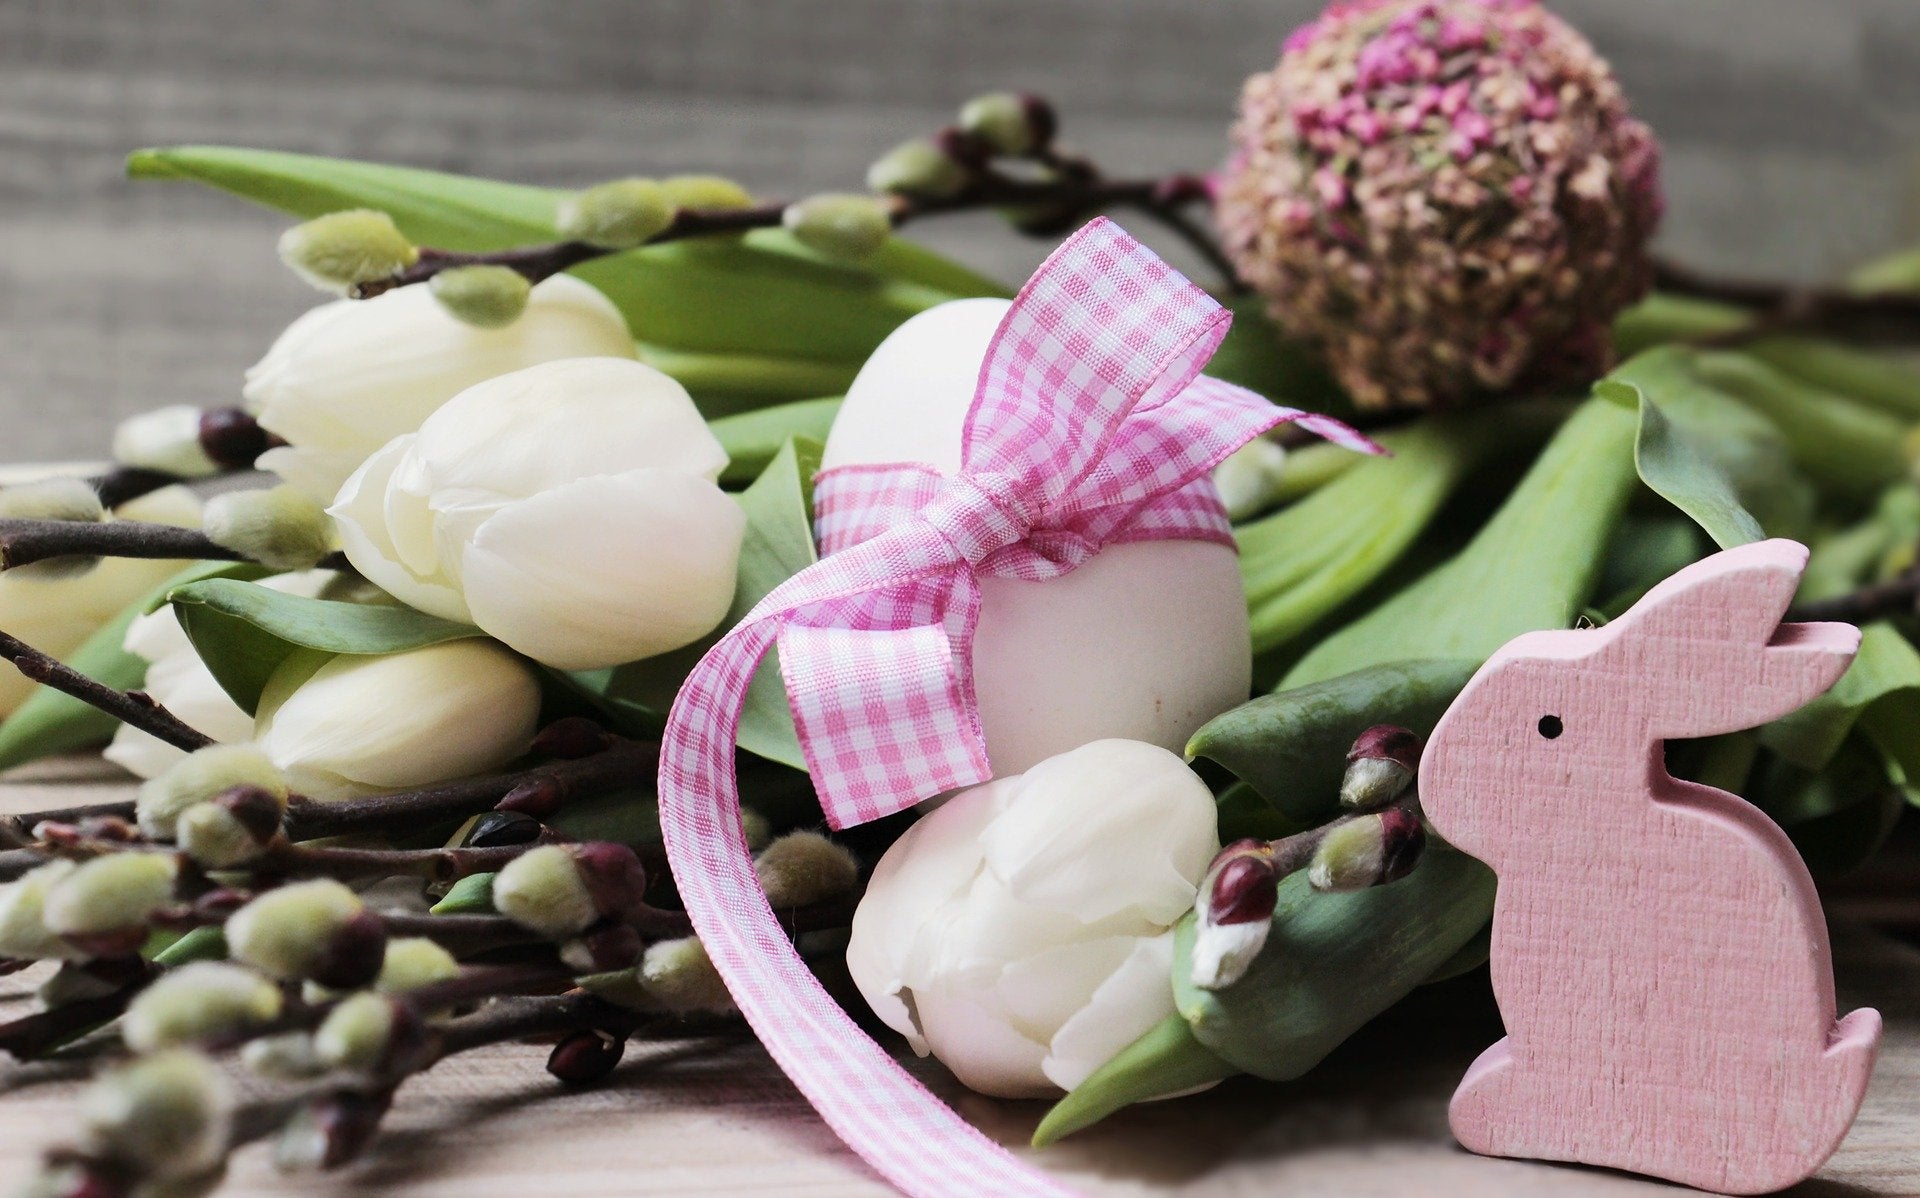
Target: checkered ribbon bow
1091,424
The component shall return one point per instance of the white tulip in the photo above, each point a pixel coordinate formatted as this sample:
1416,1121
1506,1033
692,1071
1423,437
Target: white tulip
569,509
57,615
1147,640
349,376
1021,932
360,725
181,683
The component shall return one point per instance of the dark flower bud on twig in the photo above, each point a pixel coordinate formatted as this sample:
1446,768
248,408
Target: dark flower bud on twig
1233,913
561,890
231,437
1005,122
1381,765
330,1131
571,737
536,799
587,1057
232,828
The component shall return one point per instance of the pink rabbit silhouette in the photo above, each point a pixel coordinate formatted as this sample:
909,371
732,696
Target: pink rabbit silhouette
1659,954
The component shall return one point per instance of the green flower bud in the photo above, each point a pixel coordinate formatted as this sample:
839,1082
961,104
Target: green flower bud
198,778
542,890
109,894
1370,850
680,976
705,193
617,215
413,962
357,1034
196,1002
287,1057
850,227
803,868
282,527
229,831
23,928
917,168
69,499
487,297
341,250
165,439
163,1117
1001,120
289,932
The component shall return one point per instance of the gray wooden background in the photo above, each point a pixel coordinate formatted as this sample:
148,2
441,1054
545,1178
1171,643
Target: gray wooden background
1792,130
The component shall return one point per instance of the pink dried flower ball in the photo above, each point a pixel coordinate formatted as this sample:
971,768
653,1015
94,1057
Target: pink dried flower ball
1448,197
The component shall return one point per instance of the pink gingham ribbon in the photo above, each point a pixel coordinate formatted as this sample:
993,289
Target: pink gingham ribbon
1091,424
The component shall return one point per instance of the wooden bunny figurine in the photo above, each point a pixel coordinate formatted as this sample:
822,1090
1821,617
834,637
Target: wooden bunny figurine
1659,954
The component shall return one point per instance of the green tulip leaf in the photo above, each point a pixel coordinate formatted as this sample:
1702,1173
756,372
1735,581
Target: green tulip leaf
778,544
1847,448
1534,565
52,722
1291,747
1678,470
243,631
761,294
1169,1059
1879,696
1332,962
753,439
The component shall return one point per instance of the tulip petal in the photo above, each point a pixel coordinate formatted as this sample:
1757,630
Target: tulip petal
606,570
981,1046
1076,829
1135,997
361,517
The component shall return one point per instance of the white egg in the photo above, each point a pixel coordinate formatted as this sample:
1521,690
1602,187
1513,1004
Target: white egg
1144,641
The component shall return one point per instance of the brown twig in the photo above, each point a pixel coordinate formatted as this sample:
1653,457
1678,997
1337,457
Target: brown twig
1888,317
23,542
1897,596
623,762
129,707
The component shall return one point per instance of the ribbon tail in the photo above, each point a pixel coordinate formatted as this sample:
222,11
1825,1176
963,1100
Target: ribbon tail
906,1134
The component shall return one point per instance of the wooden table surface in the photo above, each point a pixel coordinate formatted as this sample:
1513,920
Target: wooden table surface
1792,133
716,1116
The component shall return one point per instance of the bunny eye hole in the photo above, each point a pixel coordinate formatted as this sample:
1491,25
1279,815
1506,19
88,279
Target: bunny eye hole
1550,726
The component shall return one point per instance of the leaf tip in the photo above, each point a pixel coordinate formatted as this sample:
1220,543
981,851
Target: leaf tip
151,163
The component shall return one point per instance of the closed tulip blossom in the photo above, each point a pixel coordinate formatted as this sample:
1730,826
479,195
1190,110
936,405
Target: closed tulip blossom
360,725
569,509
1021,932
349,376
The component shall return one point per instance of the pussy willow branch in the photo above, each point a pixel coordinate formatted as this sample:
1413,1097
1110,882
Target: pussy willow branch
23,542
1889,317
130,707
1296,852
1897,596
986,189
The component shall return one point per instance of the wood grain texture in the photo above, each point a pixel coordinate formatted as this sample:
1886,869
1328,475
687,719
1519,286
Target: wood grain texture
1659,953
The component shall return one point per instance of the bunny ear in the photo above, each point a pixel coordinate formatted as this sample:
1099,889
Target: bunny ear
1734,597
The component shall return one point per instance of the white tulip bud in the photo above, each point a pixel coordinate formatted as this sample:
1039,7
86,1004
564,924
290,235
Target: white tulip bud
341,250
180,682
282,527
197,778
196,1002
165,439
165,1116
357,725
24,934
349,376
1065,882
568,509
